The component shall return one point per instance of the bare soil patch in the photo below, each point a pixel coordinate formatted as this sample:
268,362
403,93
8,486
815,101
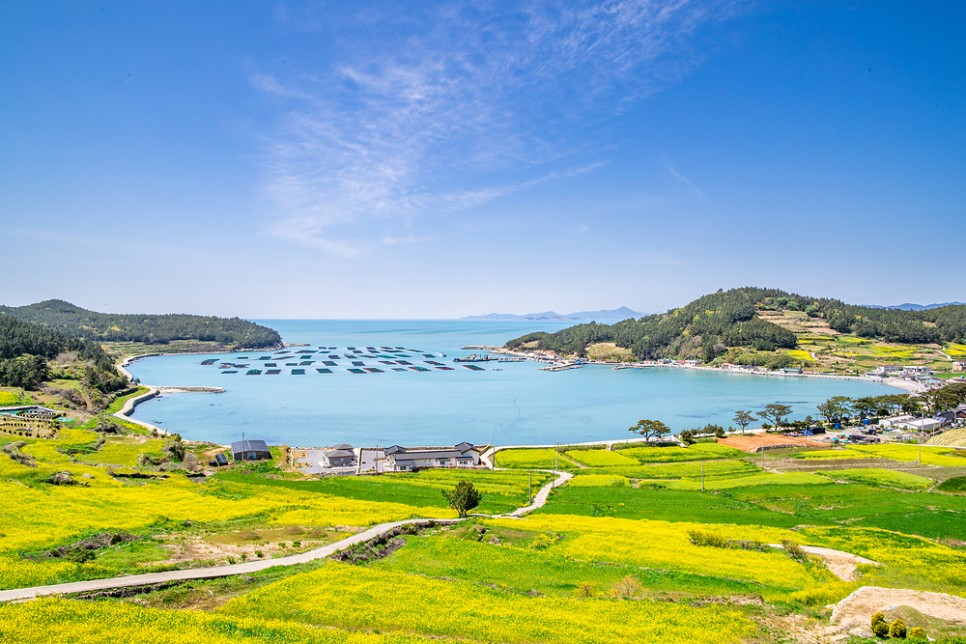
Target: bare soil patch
855,611
756,442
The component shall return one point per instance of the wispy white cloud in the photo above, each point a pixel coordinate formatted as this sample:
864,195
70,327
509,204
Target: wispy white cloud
449,109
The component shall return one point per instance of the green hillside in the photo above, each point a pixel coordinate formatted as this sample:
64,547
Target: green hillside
28,352
727,324
233,333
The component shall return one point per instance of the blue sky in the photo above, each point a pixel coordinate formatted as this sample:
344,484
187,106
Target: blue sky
439,159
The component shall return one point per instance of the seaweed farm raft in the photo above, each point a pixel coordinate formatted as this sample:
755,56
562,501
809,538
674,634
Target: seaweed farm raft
322,361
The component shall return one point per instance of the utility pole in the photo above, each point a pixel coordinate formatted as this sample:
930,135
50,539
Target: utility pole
919,434
702,476
556,456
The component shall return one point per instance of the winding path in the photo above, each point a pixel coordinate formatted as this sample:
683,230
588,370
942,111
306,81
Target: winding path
375,532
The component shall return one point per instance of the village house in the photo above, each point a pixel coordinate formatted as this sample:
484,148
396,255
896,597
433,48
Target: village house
250,450
916,371
403,459
341,455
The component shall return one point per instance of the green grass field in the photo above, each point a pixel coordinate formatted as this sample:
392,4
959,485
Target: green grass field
882,478
809,499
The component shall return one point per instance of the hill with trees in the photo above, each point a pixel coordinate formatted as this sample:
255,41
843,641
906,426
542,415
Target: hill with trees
71,320
715,326
26,352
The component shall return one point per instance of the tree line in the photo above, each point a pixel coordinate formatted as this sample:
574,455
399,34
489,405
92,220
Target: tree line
834,410
72,320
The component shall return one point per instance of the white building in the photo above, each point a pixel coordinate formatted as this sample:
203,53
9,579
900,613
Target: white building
924,425
895,422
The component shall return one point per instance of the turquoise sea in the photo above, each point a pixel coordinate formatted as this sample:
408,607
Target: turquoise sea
506,403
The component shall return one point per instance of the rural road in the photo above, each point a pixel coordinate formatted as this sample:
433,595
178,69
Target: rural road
93,585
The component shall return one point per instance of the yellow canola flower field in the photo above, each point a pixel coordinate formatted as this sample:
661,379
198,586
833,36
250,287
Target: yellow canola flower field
83,622
665,545
540,458
352,597
124,451
599,457
931,454
37,517
907,561
845,453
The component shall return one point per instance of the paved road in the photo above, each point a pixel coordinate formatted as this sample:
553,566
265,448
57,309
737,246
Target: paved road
20,594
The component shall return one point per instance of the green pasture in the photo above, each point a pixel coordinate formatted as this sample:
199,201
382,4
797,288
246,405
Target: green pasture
503,491
880,477
810,499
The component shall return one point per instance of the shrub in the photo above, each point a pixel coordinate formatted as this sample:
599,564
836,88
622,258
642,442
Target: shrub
707,539
916,633
626,588
795,551
897,630
881,629
878,617
585,590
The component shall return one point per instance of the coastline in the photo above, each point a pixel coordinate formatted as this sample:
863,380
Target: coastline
897,383
153,391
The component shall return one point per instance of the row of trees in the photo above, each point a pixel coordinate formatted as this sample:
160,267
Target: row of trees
836,409
775,413
839,408
72,320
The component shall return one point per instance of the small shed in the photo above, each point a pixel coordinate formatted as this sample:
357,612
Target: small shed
250,450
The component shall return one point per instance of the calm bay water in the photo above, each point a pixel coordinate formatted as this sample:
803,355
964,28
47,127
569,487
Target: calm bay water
507,403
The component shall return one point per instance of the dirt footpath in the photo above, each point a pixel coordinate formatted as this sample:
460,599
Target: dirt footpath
855,611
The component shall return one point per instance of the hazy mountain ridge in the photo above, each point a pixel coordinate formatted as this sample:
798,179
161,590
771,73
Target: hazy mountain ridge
621,313
911,306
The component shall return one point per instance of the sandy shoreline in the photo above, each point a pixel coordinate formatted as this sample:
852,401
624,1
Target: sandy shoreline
153,392
897,383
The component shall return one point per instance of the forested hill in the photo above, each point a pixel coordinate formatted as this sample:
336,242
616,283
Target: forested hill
707,327
26,348
69,319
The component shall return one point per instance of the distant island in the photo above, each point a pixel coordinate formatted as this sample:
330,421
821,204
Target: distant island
909,306
622,313
59,354
229,334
